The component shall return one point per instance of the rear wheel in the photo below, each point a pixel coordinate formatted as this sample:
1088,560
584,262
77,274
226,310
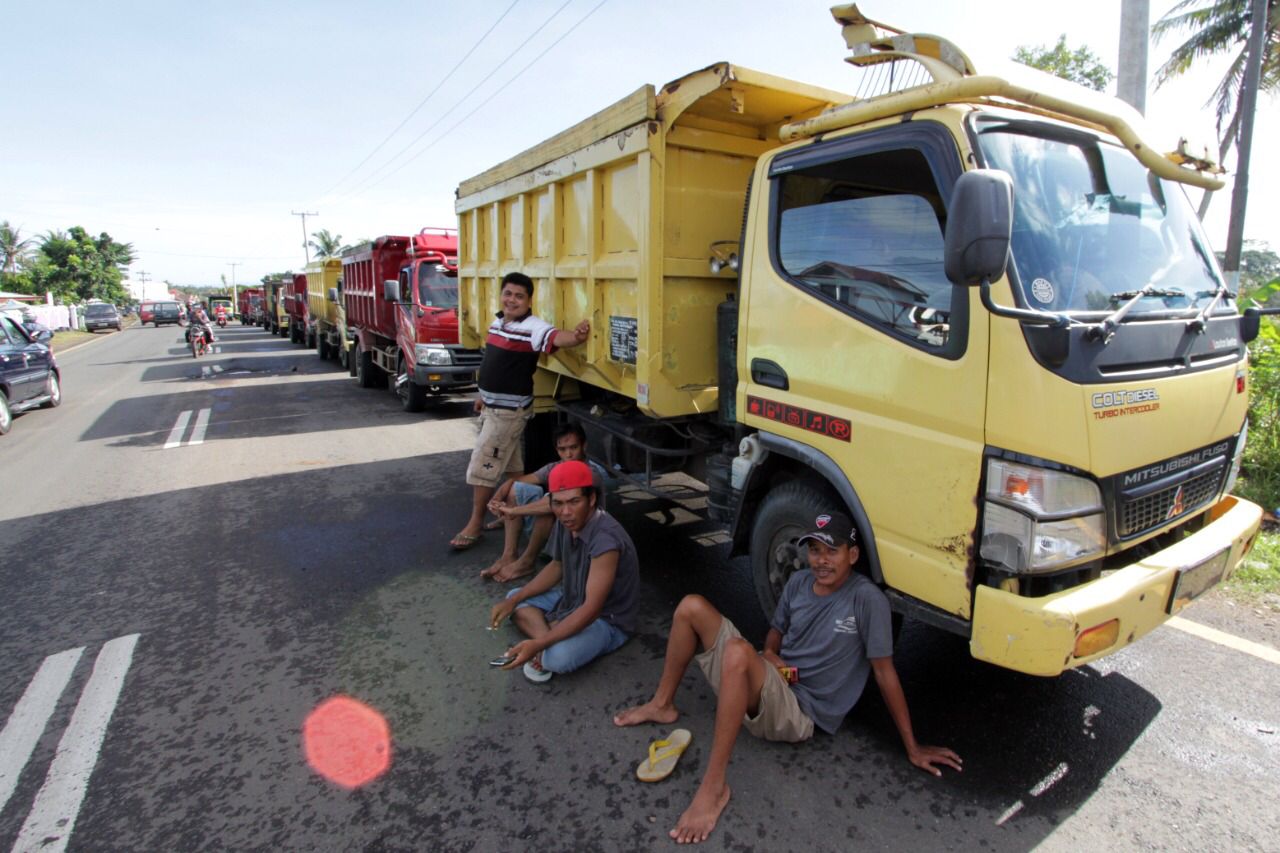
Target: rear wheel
52,390
786,514
413,397
368,374
322,347
6,414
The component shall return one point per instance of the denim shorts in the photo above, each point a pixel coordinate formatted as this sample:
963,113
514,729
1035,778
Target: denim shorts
598,638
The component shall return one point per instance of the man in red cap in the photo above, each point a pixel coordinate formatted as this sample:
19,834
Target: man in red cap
831,629
583,603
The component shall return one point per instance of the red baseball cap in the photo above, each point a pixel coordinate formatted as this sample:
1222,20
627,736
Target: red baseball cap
570,475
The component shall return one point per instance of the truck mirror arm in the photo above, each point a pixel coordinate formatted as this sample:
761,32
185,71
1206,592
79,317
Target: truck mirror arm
1035,318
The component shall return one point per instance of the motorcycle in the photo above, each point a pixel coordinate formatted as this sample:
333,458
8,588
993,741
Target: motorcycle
198,336
221,316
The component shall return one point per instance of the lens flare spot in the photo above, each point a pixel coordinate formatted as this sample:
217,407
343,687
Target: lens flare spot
347,742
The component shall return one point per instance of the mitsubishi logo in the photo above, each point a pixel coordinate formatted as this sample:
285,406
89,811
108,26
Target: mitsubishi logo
1177,507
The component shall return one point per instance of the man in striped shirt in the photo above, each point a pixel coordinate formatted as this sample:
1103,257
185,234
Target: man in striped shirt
516,339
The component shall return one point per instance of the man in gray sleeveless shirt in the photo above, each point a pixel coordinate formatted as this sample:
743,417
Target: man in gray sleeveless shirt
832,628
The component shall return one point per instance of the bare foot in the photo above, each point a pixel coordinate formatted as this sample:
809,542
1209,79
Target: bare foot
700,818
647,713
498,565
514,569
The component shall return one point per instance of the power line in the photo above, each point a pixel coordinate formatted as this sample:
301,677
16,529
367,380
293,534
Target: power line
377,178
423,102
496,92
305,248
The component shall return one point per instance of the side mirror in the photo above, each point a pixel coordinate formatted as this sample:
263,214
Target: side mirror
333,294
391,290
979,227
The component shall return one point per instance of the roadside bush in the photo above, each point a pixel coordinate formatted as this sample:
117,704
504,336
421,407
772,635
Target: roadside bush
1260,472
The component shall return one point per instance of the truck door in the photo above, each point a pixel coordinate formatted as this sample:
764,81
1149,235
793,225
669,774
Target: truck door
857,345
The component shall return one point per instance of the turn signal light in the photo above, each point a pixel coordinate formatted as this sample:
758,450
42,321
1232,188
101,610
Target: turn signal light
1097,639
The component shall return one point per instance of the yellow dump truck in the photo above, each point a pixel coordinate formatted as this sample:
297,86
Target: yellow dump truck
975,312
324,280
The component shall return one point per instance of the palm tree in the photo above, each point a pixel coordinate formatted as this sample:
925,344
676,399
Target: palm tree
1220,27
15,250
325,244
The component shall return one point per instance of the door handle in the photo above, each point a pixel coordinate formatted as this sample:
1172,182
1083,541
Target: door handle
769,374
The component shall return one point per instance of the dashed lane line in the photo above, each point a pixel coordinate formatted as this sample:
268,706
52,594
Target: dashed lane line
202,423
1222,638
179,427
53,814
22,732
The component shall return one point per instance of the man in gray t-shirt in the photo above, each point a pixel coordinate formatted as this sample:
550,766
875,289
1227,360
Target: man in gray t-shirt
830,630
583,603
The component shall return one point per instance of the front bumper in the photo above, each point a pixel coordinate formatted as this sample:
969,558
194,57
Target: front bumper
445,377
1038,635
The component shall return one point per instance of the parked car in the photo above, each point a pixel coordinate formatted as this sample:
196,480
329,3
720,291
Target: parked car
101,315
145,312
166,312
29,375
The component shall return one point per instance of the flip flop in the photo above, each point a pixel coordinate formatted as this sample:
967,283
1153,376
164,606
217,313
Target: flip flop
663,755
536,675
463,541
494,524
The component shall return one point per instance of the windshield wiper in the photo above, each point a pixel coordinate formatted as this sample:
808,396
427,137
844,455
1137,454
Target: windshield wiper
1200,322
1105,330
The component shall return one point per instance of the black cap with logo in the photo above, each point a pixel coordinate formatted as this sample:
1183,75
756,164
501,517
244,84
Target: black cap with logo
832,529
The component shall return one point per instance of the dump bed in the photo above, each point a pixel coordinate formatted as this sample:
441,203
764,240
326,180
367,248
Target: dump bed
365,268
614,219
322,275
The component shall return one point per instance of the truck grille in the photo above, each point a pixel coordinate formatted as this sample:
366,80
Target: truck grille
1140,514
466,357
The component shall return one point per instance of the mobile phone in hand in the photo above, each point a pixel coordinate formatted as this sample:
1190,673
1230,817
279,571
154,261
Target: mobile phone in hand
502,661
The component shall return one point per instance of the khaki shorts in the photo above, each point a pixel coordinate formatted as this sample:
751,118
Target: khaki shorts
498,452
779,716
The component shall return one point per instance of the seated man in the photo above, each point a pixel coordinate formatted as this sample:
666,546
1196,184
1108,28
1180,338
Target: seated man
583,603
522,502
831,628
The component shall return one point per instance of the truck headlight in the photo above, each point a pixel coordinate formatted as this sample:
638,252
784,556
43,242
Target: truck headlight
1237,459
426,354
1037,519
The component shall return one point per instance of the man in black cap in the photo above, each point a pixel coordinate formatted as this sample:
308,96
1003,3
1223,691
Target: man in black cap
831,629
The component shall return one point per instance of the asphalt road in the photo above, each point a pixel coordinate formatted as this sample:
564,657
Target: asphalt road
226,573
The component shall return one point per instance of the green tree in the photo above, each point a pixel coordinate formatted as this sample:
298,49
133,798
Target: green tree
14,248
326,245
76,266
1220,27
1081,65
1259,266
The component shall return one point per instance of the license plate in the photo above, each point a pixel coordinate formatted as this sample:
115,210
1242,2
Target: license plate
1196,580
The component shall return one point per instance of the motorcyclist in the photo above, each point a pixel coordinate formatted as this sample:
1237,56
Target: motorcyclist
200,319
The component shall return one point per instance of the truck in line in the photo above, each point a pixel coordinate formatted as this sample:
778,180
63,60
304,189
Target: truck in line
975,312
324,280
401,298
249,309
294,300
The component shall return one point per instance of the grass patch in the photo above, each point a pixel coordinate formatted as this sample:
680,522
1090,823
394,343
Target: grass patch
1259,575
67,338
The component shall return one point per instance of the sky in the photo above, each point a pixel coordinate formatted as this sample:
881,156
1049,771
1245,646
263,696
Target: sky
196,131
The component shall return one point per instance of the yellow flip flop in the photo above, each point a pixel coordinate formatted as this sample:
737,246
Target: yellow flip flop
663,755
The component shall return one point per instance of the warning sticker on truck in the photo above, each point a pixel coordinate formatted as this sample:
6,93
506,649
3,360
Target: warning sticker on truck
828,425
622,339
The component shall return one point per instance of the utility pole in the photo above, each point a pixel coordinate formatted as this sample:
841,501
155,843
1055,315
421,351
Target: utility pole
142,276
1131,84
235,303
1244,147
304,215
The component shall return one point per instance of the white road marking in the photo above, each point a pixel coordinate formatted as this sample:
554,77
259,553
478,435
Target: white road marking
204,372
179,427
1009,812
1222,638
202,423
21,733
1054,777
53,815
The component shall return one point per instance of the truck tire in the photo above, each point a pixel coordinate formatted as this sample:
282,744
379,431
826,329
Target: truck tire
322,347
353,357
344,359
786,513
368,374
413,397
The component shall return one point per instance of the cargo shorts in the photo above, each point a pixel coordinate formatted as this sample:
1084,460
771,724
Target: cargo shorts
498,453
779,716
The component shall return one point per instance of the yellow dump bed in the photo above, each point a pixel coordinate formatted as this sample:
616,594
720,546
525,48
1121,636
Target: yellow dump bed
323,274
614,219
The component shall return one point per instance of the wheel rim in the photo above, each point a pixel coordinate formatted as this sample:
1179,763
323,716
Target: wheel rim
54,389
6,417
785,557
402,384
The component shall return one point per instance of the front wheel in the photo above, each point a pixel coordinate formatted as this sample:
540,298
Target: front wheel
786,514
6,414
52,390
413,397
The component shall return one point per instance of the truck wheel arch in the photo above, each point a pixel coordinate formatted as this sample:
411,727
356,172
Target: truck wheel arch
788,460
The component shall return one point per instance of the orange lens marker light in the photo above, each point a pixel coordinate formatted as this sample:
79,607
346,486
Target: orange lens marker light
1097,638
347,742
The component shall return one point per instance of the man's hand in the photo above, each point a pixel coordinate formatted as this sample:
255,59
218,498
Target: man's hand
925,757
582,331
522,652
772,658
500,612
477,406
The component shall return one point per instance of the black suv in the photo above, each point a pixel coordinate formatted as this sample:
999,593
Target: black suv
101,315
29,374
165,312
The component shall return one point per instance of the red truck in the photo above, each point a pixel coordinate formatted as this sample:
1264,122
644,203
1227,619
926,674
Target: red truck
401,301
295,306
249,305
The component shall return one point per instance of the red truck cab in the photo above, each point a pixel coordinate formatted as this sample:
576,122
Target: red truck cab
250,304
401,300
295,306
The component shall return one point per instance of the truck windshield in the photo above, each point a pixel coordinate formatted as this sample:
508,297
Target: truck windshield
437,286
1091,225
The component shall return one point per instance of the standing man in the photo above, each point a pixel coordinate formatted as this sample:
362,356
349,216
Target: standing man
516,339
583,603
832,628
